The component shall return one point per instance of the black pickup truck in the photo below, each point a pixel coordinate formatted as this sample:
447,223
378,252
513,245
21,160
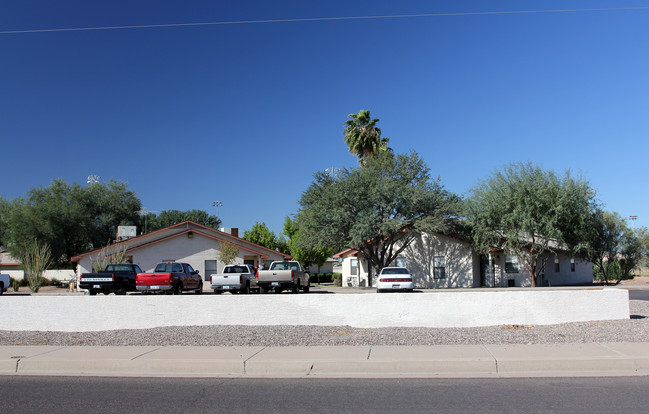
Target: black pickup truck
118,278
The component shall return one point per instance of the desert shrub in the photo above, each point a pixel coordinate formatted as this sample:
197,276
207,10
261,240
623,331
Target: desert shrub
15,284
35,260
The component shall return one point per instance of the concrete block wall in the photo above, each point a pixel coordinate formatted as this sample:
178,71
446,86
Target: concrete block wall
429,309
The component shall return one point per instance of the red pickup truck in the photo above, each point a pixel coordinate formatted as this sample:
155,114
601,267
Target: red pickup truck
171,278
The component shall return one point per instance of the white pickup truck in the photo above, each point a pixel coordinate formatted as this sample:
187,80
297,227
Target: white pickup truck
4,283
283,276
234,279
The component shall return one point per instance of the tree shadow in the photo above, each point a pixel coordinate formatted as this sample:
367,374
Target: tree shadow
458,260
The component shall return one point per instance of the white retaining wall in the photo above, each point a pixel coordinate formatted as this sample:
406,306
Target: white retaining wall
434,309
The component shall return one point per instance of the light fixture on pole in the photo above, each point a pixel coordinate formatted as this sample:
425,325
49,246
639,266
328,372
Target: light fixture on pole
633,219
144,212
333,172
217,204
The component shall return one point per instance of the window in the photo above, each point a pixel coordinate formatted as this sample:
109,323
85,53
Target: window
572,264
401,262
439,267
210,268
354,263
394,271
511,263
556,264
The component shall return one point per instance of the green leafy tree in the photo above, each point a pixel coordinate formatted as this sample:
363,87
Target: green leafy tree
109,205
228,252
530,212
314,256
379,209
170,217
260,234
643,238
363,137
69,218
5,211
615,249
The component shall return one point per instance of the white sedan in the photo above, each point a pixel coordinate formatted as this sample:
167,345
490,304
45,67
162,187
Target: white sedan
394,278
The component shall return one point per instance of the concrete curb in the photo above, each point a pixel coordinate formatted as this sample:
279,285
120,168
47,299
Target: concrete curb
441,361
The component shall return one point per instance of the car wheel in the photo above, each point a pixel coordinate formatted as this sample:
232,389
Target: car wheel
92,292
179,289
2,288
378,290
121,291
278,290
296,288
306,288
200,289
217,292
246,289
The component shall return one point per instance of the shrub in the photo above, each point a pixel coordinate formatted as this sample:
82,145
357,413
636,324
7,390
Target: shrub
15,284
35,260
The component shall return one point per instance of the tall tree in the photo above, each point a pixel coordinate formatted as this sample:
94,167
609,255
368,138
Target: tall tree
261,235
170,217
5,211
307,256
109,206
69,218
363,137
615,249
530,212
379,209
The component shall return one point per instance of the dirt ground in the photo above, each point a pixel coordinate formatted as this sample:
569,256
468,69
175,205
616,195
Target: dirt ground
636,281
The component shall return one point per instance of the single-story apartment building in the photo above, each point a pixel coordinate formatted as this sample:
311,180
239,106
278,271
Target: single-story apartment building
438,260
187,242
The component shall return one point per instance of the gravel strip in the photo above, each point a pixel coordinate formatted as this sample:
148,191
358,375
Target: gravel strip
635,329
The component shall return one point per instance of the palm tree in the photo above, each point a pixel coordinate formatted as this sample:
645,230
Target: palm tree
363,136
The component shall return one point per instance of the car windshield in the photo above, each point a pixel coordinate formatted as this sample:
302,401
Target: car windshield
236,269
168,268
118,268
395,271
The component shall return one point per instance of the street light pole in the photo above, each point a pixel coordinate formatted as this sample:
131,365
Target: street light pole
633,219
217,204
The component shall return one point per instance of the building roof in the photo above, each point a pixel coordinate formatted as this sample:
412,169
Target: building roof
163,234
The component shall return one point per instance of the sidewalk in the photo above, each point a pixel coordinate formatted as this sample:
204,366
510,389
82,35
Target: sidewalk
468,361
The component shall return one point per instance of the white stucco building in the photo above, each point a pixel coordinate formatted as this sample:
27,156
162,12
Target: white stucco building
186,242
441,261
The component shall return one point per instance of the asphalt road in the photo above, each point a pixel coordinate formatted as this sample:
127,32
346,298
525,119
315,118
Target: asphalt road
638,294
163,395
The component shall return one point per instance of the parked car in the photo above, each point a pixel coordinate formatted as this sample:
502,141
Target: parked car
4,283
235,279
394,278
116,277
171,278
283,276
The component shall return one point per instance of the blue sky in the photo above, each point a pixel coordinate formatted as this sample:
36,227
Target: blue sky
246,113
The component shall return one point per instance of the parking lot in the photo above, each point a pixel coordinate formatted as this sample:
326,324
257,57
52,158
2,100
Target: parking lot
63,291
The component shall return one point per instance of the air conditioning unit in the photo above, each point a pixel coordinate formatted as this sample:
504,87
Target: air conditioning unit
126,232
